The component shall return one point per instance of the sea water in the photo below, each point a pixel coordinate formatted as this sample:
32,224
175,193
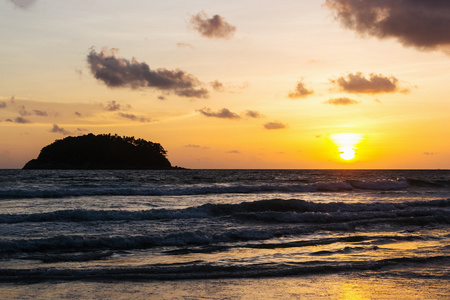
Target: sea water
216,234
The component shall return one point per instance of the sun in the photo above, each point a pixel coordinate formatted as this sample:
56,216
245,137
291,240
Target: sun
347,153
347,144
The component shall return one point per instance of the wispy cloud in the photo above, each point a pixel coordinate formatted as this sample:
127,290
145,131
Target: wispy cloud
134,117
300,91
375,84
422,24
112,106
214,27
120,72
233,152
195,146
341,101
2,104
224,113
274,125
253,114
57,129
23,3
185,45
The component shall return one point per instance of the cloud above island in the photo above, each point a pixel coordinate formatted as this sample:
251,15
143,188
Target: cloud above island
376,83
214,27
120,72
421,24
57,129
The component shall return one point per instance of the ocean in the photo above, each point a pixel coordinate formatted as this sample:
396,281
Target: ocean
225,234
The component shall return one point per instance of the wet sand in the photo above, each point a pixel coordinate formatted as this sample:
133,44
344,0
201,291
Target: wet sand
336,286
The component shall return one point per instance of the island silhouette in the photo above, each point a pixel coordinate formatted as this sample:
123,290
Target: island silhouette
104,151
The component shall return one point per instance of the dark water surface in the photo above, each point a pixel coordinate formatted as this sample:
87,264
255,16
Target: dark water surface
75,227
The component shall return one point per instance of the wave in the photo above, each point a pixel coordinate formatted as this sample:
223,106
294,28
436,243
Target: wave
293,210
203,189
203,270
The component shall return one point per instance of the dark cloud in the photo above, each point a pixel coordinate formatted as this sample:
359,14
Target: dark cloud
2,104
357,83
23,3
215,27
78,114
58,129
19,120
134,117
300,91
217,86
274,125
253,114
342,101
162,98
40,113
419,23
224,113
120,72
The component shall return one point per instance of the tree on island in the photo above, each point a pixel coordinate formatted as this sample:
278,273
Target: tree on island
104,151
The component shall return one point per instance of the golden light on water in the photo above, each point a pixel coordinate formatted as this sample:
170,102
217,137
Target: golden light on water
347,144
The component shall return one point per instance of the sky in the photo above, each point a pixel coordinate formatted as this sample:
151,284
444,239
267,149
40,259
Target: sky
261,84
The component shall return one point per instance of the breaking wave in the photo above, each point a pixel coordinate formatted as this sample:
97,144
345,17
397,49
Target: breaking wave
205,189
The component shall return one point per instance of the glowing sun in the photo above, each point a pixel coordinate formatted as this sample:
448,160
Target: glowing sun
347,144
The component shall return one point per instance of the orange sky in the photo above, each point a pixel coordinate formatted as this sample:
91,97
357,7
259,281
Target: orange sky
236,84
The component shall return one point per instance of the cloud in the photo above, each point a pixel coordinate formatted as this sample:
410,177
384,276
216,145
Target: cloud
252,114
112,106
40,113
58,129
185,45
195,146
421,24
357,83
300,91
2,104
217,86
19,120
342,101
430,153
23,111
224,113
215,27
120,72
134,117
23,3
78,114
274,125
233,152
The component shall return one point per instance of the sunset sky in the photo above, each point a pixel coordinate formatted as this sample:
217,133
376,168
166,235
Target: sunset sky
231,84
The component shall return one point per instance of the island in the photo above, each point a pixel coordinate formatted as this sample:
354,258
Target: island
101,152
